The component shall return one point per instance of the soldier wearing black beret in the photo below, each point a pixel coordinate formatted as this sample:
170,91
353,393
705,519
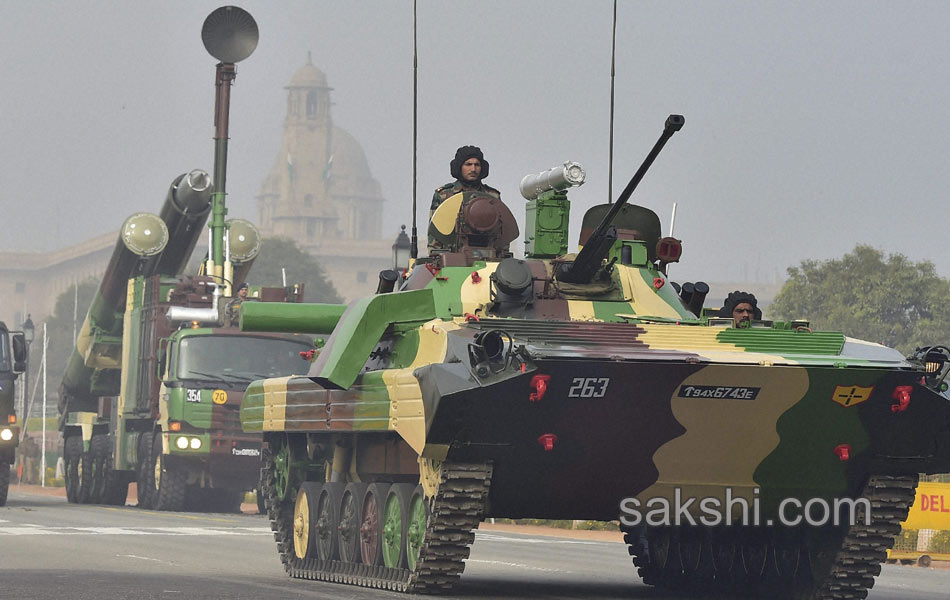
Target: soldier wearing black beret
469,168
742,307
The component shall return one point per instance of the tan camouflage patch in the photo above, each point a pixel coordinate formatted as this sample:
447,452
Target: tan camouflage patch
726,438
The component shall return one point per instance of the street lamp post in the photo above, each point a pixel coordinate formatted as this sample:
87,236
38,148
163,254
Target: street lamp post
401,251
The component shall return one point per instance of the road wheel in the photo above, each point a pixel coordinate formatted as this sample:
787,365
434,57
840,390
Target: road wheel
72,456
923,561
170,482
145,472
98,449
371,523
416,526
327,521
116,483
305,510
229,501
396,524
86,473
349,528
282,459
4,483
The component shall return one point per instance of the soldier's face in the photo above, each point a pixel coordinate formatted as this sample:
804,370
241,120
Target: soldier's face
742,313
471,170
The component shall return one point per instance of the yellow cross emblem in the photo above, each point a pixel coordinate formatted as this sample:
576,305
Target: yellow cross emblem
849,395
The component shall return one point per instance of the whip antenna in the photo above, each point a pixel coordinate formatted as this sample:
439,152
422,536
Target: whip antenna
610,157
414,248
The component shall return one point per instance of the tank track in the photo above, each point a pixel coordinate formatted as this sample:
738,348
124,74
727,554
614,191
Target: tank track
454,515
841,567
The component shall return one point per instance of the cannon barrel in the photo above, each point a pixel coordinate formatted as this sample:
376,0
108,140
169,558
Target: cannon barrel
279,317
592,255
185,211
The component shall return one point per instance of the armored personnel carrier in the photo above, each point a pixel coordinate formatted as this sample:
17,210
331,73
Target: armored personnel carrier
586,386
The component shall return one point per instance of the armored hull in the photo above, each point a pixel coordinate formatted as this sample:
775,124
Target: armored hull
768,459
573,418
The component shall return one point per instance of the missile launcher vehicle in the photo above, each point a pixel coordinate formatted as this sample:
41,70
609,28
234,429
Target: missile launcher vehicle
152,390
586,386
12,362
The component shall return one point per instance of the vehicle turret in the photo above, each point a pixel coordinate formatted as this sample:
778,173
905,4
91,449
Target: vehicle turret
601,240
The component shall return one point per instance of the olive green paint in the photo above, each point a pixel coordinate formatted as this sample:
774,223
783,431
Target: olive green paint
282,317
804,464
782,341
360,329
372,408
252,407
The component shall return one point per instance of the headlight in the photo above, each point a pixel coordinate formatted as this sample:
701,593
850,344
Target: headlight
6,435
195,443
182,443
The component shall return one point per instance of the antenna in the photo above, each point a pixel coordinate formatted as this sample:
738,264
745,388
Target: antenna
230,35
610,159
414,243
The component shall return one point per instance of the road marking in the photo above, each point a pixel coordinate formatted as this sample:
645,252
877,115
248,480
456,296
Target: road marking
145,558
168,531
516,565
494,537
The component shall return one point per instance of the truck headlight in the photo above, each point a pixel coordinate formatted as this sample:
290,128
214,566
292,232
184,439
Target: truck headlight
6,435
195,443
182,443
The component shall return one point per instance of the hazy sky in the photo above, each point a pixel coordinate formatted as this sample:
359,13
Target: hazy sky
810,126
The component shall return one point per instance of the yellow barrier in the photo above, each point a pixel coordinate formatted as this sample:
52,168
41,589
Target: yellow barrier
931,509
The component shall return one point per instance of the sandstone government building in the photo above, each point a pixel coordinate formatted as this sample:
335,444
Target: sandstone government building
319,192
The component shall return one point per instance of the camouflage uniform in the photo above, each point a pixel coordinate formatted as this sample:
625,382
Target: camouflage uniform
450,189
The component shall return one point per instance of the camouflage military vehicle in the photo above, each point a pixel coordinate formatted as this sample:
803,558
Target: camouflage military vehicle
152,389
586,387
12,363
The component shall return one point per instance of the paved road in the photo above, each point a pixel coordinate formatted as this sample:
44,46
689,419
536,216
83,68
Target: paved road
50,549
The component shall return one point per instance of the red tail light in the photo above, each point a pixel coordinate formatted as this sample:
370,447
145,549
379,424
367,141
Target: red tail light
902,395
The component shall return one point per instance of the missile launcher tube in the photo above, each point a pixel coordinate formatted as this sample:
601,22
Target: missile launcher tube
185,211
290,318
143,236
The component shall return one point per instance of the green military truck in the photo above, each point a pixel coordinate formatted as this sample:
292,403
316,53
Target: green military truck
152,391
12,363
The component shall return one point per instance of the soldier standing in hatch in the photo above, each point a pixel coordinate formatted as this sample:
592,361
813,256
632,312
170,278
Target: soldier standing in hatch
469,169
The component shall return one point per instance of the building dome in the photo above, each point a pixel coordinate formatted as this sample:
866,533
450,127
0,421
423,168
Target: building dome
308,76
350,167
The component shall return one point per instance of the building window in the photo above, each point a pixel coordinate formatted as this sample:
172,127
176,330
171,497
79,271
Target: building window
361,277
312,104
20,287
311,229
308,200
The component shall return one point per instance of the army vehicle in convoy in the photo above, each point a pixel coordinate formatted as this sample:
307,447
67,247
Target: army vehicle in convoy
152,390
585,386
12,363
